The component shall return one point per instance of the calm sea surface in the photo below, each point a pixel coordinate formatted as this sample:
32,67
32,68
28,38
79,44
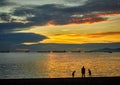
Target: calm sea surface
54,65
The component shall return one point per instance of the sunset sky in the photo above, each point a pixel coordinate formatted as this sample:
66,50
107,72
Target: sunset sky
43,24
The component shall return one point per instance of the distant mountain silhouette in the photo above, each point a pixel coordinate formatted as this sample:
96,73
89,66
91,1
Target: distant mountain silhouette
106,50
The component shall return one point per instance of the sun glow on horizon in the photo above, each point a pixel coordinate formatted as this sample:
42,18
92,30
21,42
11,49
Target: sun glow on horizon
73,33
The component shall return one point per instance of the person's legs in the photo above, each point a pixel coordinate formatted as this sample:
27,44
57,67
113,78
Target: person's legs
84,75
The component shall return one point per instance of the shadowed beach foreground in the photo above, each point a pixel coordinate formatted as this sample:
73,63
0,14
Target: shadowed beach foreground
63,81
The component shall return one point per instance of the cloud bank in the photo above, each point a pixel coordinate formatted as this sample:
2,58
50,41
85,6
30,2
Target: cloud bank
63,12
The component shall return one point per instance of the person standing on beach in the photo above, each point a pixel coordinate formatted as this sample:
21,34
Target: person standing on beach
73,74
89,72
83,72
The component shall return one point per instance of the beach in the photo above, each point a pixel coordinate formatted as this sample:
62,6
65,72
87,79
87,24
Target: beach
63,81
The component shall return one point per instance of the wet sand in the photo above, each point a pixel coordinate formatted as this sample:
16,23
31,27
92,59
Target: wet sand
63,81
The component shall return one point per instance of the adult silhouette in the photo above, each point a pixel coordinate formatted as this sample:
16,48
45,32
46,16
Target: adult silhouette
83,72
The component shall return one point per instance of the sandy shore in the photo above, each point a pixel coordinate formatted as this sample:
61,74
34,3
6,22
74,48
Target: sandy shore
63,81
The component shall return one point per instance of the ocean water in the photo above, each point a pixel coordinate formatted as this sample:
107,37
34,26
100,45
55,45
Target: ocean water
58,65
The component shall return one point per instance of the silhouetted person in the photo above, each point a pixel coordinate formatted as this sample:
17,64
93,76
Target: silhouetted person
83,72
73,74
89,71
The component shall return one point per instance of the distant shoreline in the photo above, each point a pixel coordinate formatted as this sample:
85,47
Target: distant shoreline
58,52
63,81
108,50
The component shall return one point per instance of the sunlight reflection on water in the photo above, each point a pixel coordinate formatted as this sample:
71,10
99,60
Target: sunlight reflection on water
62,64
54,65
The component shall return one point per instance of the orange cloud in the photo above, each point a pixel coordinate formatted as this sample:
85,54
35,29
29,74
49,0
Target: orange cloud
98,35
85,19
93,35
51,23
91,18
108,13
84,38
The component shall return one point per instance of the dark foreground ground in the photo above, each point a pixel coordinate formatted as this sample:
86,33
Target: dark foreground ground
63,81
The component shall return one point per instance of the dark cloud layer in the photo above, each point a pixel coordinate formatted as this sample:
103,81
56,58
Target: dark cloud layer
61,15
9,27
21,37
5,3
103,5
15,39
4,16
58,13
